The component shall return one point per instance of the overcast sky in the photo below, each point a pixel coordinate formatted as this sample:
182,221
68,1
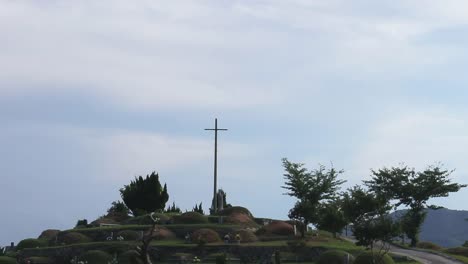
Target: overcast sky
93,93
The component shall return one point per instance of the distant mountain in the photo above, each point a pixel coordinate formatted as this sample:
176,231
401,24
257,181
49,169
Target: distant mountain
444,227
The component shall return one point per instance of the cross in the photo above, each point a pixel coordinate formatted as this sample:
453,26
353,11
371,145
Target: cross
216,129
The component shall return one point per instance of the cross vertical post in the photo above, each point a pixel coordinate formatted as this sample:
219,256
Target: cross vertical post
216,129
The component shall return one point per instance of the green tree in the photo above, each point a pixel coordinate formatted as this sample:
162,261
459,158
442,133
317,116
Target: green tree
173,209
311,188
145,195
413,189
371,224
331,218
198,208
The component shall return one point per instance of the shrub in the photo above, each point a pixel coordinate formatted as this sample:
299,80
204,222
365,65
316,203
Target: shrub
130,257
335,257
7,260
129,235
190,218
81,223
247,236
240,219
428,245
277,228
465,244
49,234
221,259
40,260
163,233
463,251
31,243
74,238
205,235
368,258
96,257
146,219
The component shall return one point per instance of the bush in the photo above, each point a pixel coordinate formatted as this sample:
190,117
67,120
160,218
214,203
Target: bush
465,244
205,235
428,245
368,258
221,259
146,219
74,238
463,251
129,235
49,234
104,220
247,236
163,233
40,260
7,260
335,257
96,257
31,243
81,223
130,257
277,228
190,218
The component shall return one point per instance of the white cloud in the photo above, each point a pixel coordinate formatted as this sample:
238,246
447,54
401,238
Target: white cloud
210,54
417,138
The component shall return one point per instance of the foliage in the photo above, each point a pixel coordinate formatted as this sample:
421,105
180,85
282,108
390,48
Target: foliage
277,228
198,208
428,245
368,257
145,195
331,218
96,257
277,257
40,260
49,234
247,235
311,188
173,209
118,207
2,251
205,235
463,251
74,238
129,235
32,243
146,219
413,189
335,257
221,259
368,213
190,218
465,244
7,260
380,228
81,223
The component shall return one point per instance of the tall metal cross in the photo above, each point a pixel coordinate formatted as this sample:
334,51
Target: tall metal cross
216,129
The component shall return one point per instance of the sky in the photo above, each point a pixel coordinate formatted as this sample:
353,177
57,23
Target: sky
94,93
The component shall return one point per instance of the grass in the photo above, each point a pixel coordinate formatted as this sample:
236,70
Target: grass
459,257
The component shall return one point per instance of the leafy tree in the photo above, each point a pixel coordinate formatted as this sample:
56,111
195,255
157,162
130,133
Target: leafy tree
198,208
118,207
173,209
311,188
413,189
331,218
371,224
145,195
